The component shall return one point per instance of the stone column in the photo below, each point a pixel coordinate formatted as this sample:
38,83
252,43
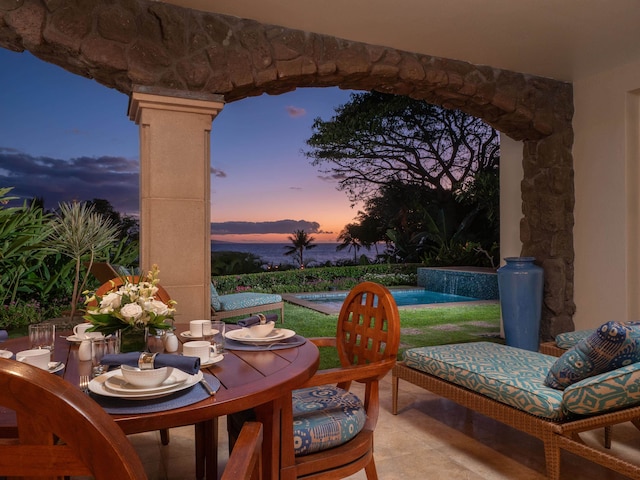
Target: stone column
175,205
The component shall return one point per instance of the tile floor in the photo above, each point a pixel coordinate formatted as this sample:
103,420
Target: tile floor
430,438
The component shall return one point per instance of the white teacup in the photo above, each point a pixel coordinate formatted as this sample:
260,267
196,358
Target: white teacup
200,328
199,348
80,331
39,357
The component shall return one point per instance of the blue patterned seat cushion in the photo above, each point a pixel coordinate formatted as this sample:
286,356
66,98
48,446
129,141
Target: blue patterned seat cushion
235,301
609,347
325,417
509,375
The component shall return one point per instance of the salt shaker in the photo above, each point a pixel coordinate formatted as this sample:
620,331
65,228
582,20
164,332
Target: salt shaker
170,342
84,350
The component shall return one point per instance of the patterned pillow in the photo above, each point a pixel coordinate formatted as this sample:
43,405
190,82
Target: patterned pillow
609,347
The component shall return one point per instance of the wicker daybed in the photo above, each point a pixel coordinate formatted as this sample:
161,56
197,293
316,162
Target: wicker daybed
515,396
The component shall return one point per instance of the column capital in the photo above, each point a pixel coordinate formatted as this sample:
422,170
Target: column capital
173,100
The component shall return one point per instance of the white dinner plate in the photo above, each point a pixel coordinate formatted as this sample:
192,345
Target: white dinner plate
6,354
117,383
53,368
187,334
277,335
212,359
76,339
97,385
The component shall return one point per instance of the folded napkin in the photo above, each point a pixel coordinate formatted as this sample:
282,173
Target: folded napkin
3,335
255,320
189,365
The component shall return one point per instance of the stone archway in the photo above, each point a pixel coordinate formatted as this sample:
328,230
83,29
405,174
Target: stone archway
126,43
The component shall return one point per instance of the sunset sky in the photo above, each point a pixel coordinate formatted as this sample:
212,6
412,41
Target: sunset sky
64,138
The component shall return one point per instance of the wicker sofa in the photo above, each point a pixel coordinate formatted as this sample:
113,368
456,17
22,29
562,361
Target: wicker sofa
507,384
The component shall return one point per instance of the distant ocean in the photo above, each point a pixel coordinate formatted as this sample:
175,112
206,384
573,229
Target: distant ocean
273,253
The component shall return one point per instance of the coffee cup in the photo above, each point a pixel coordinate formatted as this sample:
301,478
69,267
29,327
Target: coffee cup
200,328
39,357
80,331
200,348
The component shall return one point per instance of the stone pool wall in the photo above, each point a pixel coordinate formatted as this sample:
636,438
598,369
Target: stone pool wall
471,282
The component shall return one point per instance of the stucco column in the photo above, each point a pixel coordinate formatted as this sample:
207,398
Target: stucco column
175,210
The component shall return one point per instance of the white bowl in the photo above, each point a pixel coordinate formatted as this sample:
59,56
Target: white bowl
261,331
145,378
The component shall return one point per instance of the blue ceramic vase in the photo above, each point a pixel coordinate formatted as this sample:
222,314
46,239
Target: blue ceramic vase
521,283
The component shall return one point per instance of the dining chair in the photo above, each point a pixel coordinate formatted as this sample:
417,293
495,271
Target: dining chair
329,431
61,431
245,461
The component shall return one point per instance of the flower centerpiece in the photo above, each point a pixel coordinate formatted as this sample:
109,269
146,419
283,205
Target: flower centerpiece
131,308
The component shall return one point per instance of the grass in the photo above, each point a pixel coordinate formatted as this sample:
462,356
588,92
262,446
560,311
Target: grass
419,327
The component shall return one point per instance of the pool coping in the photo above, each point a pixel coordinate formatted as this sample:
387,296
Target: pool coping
290,297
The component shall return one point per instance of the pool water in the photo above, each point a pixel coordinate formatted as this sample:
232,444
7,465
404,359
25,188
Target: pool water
403,298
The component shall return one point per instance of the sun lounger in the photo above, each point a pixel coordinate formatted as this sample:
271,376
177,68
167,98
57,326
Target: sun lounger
507,384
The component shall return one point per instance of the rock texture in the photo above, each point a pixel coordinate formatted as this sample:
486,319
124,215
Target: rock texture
124,44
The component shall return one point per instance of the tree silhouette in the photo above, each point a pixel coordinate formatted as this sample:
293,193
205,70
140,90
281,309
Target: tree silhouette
301,241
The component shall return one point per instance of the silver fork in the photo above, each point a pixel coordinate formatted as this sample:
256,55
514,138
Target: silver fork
84,383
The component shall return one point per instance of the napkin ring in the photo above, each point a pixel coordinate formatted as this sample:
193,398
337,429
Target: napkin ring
146,361
262,318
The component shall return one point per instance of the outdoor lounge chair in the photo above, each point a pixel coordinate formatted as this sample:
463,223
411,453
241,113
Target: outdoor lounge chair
507,384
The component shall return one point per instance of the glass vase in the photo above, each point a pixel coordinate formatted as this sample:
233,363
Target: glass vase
133,340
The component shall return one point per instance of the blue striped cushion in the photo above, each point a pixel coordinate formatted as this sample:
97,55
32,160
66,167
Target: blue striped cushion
607,391
234,301
325,417
509,375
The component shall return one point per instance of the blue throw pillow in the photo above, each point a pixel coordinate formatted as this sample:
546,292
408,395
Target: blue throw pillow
610,346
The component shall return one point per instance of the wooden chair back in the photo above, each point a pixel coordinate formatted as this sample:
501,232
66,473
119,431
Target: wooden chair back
61,430
367,340
116,282
245,461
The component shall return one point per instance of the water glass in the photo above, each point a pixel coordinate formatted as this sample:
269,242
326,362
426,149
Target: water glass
155,340
42,335
99,348
217,339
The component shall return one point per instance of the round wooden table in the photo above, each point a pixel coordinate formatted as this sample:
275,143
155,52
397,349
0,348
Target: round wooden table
249,379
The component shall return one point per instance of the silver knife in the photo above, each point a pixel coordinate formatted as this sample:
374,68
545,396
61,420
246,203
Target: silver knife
207,387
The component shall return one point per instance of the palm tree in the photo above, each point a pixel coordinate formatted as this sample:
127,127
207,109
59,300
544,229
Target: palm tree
301,241
349,236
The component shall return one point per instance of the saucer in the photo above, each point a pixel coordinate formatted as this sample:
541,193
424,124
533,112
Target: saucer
117,383
212,359
76,339
6,354
53,368
187,334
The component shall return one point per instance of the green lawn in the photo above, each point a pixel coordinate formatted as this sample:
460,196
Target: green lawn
419,327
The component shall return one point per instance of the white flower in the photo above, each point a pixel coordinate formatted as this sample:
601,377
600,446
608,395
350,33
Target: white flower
131,311
110,301
156,306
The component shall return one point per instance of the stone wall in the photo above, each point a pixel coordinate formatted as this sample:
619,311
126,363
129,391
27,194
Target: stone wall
127,44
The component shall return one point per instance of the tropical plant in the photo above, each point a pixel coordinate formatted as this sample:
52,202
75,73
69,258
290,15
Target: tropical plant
22,232
83,235
301,241
350,238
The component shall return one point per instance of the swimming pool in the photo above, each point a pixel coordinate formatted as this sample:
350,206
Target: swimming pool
330,302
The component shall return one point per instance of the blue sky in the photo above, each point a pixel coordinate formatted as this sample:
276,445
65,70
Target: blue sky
64,138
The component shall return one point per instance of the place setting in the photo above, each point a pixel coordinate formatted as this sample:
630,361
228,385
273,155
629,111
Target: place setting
258,332
144,382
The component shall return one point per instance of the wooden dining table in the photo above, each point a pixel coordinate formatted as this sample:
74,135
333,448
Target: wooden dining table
258,380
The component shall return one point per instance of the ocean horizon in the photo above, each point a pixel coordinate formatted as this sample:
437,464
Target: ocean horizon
273,253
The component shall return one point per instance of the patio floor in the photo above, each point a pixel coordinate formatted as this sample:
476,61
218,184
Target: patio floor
430,438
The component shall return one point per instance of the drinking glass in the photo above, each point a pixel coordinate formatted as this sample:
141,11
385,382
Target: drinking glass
155,340
99,348
217,340
42,335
